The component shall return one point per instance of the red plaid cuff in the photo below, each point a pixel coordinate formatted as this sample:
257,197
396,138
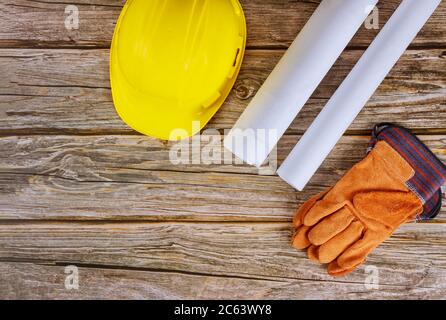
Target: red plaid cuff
430,172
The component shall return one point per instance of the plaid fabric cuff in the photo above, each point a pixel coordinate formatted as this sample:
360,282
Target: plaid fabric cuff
430,172
432,207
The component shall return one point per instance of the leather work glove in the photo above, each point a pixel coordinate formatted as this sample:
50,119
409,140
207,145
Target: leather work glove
399,181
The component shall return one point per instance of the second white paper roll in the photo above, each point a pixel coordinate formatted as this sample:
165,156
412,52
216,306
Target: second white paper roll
296,77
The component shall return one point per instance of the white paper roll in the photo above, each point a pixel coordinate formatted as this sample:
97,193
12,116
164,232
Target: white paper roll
297,75
355,91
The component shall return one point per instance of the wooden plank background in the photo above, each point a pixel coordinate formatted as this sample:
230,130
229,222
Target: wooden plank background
78,187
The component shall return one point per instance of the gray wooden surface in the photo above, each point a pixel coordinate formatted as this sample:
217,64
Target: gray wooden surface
78,187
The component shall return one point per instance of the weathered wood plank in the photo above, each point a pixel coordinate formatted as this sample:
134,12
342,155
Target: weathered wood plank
132,177
30,281
65,91
202,261
271,23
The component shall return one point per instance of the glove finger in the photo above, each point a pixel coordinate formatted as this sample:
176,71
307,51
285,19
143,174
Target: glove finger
300,214
300,239
357,253
313,253
330,250
330,226
320,210
336,271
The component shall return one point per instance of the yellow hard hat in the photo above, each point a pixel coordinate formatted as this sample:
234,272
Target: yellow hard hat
174,62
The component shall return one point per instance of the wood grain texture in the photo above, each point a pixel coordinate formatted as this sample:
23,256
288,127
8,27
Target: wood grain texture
31,281
131,177
78,187
68,91
188,260
271,23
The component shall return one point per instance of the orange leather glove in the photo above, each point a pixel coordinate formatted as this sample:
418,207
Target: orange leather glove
391,186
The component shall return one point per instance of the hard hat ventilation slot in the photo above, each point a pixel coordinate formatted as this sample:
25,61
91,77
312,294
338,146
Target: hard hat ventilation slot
236,57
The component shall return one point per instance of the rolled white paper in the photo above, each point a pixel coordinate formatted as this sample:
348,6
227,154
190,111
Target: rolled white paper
355,91
296,76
